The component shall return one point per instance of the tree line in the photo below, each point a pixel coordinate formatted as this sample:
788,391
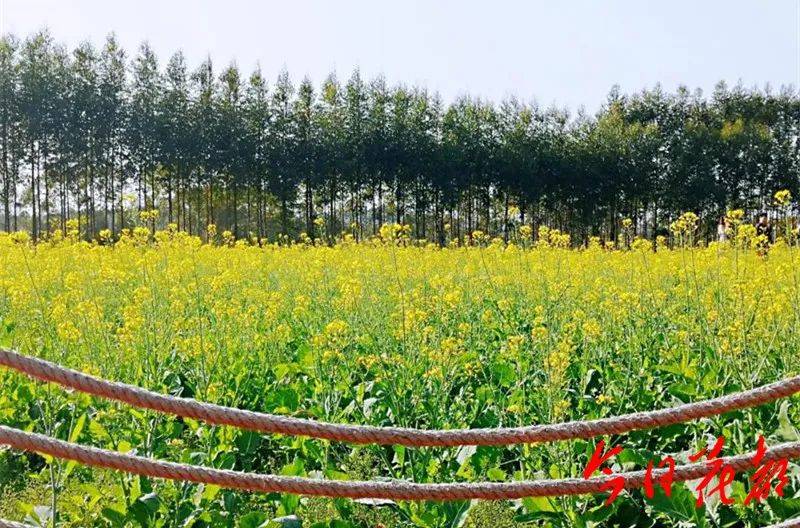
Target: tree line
97,135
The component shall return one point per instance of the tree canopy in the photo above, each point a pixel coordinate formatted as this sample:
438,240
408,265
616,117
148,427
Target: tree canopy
96,136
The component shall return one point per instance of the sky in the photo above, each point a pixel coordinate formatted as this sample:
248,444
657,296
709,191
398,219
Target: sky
568,53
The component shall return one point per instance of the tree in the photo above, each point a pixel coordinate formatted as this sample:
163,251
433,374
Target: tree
283,172
204,158
82,130
112,114
307,149
10,128
142,126
355,130
375,148
175,139
331,132
230,143
84,135
40,89
257,117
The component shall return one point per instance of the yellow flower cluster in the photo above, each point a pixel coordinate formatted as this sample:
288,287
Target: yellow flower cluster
401,310
783,198
557,362
390,330
685,224
333,339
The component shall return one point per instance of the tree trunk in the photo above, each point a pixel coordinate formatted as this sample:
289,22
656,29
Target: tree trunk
505,220
169,199
310,210
398,198
90,224
63,204
380,204
34,231
6,175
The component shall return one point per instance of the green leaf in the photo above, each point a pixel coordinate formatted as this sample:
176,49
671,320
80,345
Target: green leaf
504,373
281,370
97,430
305,356
602,512
253,520
496,474
399,455
295,469
537,504
116,518
332,474
334,523
77,429
210,492
69,468
144,508
484,393
680,506
248,442
784,507
683,391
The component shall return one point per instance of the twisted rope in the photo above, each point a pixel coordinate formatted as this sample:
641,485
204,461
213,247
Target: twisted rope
791,523
392,490
12,524
270,423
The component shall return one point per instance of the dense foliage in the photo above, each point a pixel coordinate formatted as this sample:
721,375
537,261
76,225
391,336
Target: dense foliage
94,134
391,331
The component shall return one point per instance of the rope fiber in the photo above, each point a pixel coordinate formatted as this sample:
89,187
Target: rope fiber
355,434
12,524
392,490
791,523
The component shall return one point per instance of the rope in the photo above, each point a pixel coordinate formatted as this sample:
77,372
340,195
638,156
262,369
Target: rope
270,423
791,523
12,524
393,490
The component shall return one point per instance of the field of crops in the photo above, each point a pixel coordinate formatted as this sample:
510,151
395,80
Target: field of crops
388,332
